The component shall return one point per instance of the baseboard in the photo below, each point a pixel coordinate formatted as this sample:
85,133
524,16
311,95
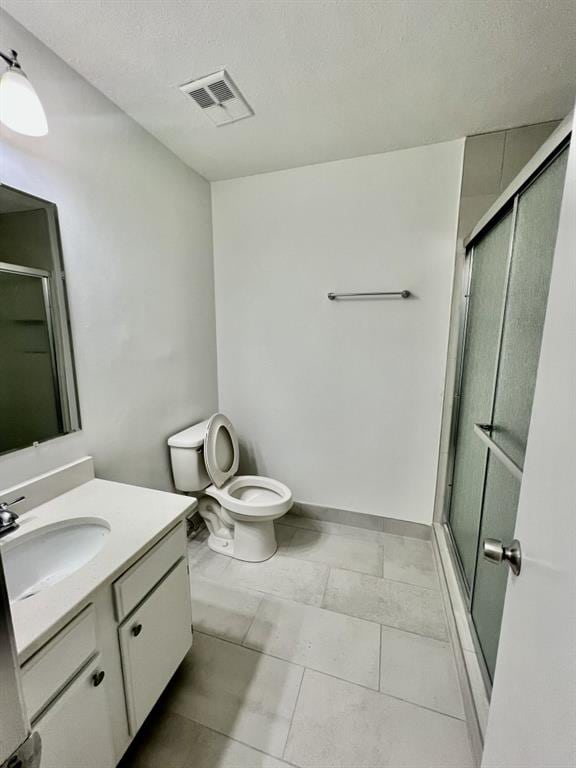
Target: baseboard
362,520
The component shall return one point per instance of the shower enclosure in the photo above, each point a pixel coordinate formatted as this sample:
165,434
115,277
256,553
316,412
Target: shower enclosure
508,264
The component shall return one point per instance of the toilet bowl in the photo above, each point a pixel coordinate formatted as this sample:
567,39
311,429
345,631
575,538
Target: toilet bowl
239,510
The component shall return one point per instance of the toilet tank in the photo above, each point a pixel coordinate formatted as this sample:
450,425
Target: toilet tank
187,458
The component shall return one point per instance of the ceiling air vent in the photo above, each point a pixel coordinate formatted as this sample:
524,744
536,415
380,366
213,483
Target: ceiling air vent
219,98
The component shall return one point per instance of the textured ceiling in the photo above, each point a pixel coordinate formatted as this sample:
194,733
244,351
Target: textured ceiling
327,79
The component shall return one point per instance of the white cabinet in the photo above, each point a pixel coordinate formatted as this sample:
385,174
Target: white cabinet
75,729
142,577
153,642
82,684
52,668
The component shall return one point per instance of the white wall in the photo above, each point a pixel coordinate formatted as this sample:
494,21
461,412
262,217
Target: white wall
340,400
136,234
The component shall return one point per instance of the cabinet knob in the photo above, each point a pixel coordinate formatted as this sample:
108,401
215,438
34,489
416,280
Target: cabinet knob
136,629
97,678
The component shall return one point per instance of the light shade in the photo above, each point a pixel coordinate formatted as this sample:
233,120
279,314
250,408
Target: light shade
20,107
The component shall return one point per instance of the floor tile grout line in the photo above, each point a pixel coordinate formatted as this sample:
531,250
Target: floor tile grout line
411,584
321,606
284,551
285,556
292,663
293,712
289,556
250,591
329,674
386,578
230,738
245,635
270,656
281,599
264,595
272,597
380,660
256,591
217,580
364,573
414,634
384,693
214,580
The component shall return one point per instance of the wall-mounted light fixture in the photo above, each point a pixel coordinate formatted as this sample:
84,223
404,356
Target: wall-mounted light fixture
20,108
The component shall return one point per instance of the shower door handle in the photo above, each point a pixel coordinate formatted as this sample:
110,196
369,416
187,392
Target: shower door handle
495,551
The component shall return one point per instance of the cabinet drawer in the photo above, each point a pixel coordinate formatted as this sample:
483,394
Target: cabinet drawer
49,670
133,586
153,642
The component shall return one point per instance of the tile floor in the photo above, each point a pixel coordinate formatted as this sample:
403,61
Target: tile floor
332,654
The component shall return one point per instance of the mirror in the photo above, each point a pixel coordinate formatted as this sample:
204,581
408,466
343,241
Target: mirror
38,397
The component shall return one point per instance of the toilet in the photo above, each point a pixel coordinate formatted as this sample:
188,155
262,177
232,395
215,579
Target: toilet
239,510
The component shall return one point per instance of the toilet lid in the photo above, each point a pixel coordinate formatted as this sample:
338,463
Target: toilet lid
221,453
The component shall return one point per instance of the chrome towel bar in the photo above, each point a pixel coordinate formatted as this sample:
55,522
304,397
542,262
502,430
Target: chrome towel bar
403,294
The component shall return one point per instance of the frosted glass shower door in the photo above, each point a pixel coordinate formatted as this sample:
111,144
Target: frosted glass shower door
534,239
485,306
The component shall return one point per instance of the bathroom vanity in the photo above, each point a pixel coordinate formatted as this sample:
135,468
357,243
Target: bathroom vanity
100,597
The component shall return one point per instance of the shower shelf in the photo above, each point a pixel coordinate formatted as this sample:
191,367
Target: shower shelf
483,431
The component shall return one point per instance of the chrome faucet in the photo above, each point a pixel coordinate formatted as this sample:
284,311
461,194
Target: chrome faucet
8,518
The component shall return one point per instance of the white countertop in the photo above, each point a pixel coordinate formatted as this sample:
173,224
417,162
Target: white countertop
137,517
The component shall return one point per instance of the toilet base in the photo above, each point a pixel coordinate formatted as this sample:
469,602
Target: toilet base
251,541
220,545
254,542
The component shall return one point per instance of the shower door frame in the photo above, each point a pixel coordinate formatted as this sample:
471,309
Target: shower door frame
506,203
49,309
510,206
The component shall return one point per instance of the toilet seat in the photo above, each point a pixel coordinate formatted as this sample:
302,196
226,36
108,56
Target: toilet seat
253,498
221,454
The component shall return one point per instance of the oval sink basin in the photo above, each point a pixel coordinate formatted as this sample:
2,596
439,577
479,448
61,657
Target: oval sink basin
38,560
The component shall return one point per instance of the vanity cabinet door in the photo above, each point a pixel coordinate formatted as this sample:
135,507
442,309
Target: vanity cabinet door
153,642
75,729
